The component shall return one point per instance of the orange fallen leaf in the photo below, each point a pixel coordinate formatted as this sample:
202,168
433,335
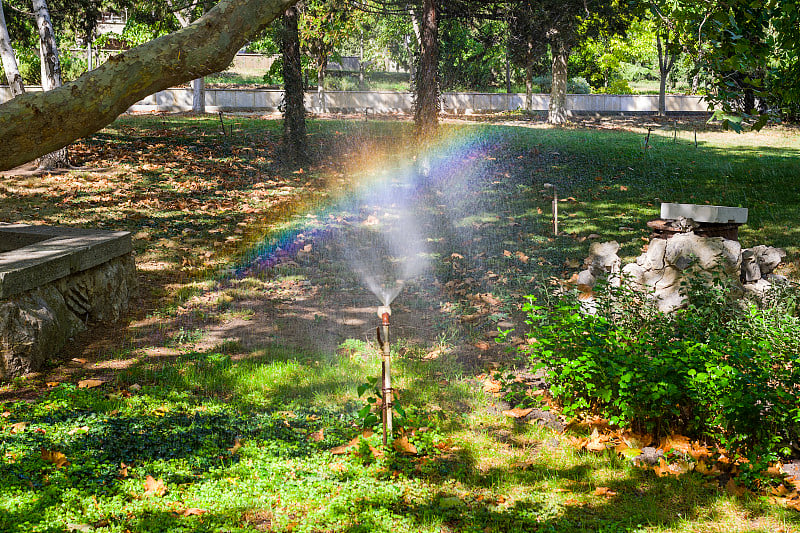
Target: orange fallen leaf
604,491
317,435
90,383
482,345
19,427
237,444
53,383
344,448
123,470
522,257
402,445
57,458
192,511
506,253
492,386
154,487
518,413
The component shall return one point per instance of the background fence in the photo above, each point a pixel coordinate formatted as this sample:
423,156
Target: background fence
382,102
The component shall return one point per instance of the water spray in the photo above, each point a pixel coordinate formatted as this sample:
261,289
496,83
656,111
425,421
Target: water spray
382,333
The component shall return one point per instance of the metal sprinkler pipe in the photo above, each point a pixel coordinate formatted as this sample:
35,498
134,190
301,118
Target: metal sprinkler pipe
382,332
555,206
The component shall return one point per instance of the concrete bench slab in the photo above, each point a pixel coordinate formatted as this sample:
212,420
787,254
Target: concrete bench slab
713,214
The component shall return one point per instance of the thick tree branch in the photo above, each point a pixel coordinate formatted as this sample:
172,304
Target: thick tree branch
35,124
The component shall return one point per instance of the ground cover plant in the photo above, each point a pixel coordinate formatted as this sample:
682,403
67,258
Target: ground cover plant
229,401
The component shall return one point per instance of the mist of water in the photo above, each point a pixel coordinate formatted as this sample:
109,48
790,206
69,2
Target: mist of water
383,243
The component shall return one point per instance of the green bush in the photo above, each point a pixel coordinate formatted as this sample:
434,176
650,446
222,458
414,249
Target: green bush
715,370
616,87
543,84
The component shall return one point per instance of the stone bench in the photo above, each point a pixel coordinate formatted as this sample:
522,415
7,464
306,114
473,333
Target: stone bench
54,282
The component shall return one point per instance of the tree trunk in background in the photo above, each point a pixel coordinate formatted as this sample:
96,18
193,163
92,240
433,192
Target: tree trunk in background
51,76
529,87
37,123
199,95
557,113
9,60
666,61
426,105
294,111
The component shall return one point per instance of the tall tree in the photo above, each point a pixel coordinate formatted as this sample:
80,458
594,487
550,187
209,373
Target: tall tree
527,44
35,124
9,59
294,111
51,75
563,24
426,102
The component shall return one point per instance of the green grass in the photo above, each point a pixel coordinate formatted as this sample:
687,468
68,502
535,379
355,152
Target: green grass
175,412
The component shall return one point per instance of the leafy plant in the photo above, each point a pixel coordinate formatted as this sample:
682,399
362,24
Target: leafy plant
712,370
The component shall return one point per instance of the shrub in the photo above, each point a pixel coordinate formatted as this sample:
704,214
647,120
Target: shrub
574,85
715,370
616,87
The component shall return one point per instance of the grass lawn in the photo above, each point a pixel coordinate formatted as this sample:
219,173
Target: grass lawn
222,397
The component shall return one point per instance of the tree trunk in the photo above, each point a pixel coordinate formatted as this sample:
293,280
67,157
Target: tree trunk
666,61
51,76
34,124
9,60
662,79
199,95
294,111
426,105
529,86
557,113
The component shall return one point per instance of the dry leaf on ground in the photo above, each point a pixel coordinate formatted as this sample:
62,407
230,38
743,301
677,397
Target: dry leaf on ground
154,487
89,383
317,435
518,413
57,458
604,491
402,445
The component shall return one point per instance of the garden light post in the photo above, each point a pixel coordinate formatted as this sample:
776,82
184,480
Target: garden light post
386,370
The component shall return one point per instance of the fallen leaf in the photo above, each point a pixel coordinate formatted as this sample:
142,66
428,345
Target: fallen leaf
192,511
57,458
82,429
734,489
237,444
492,386
623,188
522,257
506,253
317,435
518,413
123,470
90,383
482,345
19,427
79,361
402,445
53,383
604,491
154,487
344,448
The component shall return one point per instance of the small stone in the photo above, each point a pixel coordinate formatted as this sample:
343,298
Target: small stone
585,277
750,269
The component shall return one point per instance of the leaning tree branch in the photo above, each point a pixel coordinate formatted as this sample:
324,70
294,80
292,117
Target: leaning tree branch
35,124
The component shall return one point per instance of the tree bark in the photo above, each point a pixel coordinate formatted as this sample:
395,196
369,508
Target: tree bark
294,111
557,112
666,61
199,95
51,76
9,60
529,87
426,105
35,124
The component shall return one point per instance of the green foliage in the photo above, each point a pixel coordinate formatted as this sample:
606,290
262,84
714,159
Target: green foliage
616,87
713,370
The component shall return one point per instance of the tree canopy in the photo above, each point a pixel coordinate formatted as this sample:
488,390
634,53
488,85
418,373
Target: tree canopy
35,124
